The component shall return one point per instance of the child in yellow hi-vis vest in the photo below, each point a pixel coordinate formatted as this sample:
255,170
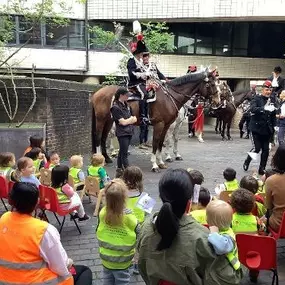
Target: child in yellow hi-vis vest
75,171
117,234
230,184
7,163
222,237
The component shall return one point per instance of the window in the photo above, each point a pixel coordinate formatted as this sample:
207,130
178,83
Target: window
240,39
29,32
223,33
76,34
56,36
204,38
185,38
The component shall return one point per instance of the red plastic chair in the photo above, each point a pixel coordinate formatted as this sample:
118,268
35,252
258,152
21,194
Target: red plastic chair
258,253
4,190
49,202
281,232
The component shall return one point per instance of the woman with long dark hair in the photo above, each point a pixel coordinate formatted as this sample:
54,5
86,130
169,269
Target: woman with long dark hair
173,247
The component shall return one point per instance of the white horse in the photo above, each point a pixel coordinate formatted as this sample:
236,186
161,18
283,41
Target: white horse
173,133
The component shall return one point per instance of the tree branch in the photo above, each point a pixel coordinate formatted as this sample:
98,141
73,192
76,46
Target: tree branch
34,98
7,110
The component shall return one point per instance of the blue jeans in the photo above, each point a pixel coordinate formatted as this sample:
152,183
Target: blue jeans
281,133
116,277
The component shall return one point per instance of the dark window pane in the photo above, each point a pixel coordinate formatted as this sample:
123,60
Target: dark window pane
185,38
76,34
56,36
240,40
223,32
266,40
204,38
29,31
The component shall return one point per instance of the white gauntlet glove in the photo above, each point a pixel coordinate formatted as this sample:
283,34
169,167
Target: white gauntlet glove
269,108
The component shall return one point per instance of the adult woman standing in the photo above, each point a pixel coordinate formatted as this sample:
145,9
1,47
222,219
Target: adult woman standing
173,247
274,187
30,249
122,115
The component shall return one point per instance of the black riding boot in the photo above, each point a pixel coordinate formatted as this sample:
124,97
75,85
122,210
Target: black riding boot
143,112
246,163
241,132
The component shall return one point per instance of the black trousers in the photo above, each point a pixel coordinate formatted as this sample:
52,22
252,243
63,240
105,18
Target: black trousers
245,119
143,133
143,105
83,275
261,143
124,143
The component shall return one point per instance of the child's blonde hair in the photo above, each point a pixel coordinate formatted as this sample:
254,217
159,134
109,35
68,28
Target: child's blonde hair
116,196
219,214
282,94
22,163
133,178
6,159
76,160
97,159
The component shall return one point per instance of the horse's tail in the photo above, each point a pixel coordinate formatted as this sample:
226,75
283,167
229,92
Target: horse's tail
93,130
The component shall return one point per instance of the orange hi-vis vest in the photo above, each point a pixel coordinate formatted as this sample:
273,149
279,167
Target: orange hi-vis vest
20,260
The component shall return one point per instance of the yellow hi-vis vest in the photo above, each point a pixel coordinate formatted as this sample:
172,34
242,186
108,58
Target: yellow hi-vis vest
117,243
244,223
231,185
199,216
37,164
6,172
73,172
233,255
132,204
61,196
20,260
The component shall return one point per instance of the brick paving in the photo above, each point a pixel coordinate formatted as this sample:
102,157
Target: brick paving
211,158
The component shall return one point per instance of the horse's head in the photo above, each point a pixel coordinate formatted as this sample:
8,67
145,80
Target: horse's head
209,89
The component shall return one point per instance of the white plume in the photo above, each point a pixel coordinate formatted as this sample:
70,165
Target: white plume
137,27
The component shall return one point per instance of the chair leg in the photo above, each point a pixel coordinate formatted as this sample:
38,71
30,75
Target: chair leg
62,224
4,204
98,202
57,218
77,226
45,216
275,277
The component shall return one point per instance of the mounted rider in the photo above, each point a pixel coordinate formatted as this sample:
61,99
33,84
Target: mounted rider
138,76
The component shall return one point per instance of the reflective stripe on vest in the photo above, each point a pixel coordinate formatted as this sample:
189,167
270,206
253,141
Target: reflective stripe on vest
231,185
20,260
233,255
132,204
243,223
61,196
6,172
74,174
117,243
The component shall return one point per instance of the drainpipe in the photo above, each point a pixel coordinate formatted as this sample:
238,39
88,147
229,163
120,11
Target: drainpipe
86,37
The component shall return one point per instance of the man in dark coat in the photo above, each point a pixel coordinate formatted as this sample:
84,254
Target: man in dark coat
262,123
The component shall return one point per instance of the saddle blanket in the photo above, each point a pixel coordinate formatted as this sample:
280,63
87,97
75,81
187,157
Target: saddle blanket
137,97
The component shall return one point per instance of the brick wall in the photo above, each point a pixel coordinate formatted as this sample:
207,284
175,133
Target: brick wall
63,106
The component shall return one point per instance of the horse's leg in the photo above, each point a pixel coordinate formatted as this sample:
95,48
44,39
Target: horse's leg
160,162
229,130
167,143
100,124
217,125
175,135
107,127
223,129
157,131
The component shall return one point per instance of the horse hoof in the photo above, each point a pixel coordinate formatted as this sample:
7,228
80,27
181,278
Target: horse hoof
162,166
179,158
169,159
155,170
108,160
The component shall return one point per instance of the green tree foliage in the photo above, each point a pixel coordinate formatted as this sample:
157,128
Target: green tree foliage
101,39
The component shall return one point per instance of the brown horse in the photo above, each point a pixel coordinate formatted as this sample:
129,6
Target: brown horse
225,115
169,99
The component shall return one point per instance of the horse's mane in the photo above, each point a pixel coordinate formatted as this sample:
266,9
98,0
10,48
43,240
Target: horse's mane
238,92
189,77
